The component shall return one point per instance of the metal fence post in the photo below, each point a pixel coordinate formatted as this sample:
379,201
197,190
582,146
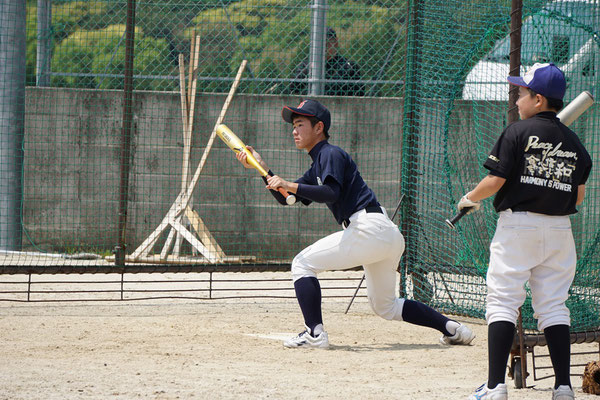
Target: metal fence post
410,144
44,34
12,120
316,65
126,134
514,57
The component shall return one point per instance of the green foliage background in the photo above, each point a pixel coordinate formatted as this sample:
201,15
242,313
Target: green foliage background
87,40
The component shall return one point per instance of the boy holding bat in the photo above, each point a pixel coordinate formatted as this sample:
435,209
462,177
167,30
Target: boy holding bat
368,238
537,169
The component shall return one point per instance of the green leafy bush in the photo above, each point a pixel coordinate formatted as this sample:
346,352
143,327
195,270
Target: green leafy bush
75,15
97,60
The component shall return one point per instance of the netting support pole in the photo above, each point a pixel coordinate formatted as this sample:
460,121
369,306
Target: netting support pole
410,142
126,133
12,120
42,64
515,57
513,115
122,285
29,287
316,64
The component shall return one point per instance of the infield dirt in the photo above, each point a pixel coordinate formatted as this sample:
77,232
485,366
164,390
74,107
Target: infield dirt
231,349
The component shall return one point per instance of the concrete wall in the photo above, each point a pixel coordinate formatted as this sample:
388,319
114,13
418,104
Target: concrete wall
71,174
72,156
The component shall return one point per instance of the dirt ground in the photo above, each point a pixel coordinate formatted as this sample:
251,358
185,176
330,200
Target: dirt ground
231,349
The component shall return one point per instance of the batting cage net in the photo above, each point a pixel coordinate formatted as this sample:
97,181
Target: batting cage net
109,109
455,108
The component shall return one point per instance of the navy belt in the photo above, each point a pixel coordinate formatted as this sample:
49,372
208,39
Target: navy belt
369,209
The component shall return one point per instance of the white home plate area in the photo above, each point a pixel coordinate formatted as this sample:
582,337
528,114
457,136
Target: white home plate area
273,336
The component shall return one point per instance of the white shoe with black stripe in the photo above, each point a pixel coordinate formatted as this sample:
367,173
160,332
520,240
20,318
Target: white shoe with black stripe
305,339
484,393
464,335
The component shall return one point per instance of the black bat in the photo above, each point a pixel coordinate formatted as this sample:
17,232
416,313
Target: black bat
452,221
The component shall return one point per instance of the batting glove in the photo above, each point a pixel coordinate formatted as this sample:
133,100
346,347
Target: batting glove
466,203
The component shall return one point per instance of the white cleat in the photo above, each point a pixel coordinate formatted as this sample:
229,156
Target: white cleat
497,393
563,392
464,335
305,339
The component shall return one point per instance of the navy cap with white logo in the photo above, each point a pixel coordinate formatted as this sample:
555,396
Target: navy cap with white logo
545,79
308,108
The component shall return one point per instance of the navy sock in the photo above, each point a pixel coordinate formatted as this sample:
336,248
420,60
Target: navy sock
558,339
500,339
308,293
421,314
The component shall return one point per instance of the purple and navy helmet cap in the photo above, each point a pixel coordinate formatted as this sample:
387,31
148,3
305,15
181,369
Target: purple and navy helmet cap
308,108
545,79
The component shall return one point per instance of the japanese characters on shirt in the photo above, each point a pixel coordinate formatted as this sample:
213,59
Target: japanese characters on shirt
547,165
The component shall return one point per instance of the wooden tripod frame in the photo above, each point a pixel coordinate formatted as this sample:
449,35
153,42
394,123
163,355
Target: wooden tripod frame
181,211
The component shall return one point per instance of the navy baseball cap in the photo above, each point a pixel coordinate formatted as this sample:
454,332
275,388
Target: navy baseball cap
308,108
545,79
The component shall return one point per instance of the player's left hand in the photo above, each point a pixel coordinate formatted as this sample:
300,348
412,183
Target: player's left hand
466,203
242,157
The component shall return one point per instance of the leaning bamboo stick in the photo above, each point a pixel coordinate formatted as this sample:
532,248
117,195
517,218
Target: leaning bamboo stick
190,124
211,139
187,137
191,65
185,122
204,234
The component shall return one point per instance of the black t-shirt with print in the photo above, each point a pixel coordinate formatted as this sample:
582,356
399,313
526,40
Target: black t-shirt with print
543,163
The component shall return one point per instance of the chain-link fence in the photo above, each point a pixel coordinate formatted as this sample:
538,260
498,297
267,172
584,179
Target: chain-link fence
75,119
417,92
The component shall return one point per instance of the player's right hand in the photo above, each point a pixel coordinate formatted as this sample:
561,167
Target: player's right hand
466,203
273,182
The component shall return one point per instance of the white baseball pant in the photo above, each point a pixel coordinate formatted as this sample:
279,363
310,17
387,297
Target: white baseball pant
531,247
371,240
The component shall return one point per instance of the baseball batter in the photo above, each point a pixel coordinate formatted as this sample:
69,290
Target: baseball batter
368,238
537,169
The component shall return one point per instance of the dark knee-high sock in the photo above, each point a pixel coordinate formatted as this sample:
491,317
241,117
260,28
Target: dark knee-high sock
558,338
500,339
421,314
308,293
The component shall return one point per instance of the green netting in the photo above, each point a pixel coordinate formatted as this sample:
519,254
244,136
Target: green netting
458,108
418,99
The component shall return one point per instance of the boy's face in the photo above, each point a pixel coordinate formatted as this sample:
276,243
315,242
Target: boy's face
527,104
306,135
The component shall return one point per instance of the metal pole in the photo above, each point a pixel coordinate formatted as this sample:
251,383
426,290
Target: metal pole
316,63
410,142
515,57
126,133
42,66
513,115
12,120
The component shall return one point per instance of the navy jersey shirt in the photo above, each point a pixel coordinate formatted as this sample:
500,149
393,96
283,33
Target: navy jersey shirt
332,163
543,163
